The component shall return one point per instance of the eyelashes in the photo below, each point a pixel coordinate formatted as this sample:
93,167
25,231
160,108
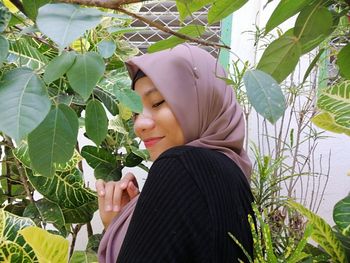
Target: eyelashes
155,105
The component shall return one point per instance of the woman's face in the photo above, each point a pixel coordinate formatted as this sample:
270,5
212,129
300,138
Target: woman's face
156,125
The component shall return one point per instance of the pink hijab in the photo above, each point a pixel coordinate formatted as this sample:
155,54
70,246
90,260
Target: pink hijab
204,105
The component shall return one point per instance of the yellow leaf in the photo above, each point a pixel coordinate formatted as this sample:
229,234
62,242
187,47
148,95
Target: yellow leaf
10,6
124,112
80,45
49,248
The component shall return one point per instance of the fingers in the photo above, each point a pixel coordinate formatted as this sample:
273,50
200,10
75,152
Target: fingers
132,190
100,187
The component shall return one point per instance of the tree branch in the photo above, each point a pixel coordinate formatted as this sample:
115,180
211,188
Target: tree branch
116,5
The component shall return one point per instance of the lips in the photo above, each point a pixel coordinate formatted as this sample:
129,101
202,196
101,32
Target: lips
151,141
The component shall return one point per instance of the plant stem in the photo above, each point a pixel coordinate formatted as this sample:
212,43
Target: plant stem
75,232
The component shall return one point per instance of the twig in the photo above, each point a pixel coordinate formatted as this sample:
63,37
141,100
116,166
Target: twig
116,5
76,230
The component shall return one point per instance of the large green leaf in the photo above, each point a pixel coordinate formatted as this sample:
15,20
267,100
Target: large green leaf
86,71
83,257
64,23
343,61
222,8
108,99
312,26
31,7
285,10
96,121
280,57
24,102
336,101
187,7
189,30
341,215
4,49
48,247
59,66
323,234
53,141
12,244
25,52
67,189
95,156
265,95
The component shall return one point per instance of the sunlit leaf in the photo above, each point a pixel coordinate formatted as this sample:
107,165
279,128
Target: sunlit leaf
10,6
59,66
86,71
326,121
280,57
96,122
83,257
343,61
265,95
222,8
322,233
64,23
81,45
48,247
13,241
54,140
186,7
24,102
189,30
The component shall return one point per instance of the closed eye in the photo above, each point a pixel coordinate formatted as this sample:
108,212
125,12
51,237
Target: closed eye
158,104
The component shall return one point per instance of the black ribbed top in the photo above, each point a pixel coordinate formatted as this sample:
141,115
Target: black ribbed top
191,199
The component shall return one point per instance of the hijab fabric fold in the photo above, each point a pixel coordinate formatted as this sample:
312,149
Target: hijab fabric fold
190,80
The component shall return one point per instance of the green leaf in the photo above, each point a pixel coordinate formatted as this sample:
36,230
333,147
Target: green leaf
280,57
53,141
283,11
64,23
95,156
341,215
83,257
343,61
129,98
189,30
187,7
108,172
24,102
326,121
31,7
86,71
106,48
59,66
96,122
13,245
265,95
336,101
222,8
47,247
67,189
4,49
312,26
108,99
322,234
5,16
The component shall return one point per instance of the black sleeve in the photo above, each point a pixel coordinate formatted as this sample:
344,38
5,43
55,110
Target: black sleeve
170,222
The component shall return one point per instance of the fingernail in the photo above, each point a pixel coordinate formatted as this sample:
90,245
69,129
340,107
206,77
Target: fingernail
108,208
116,208
102,192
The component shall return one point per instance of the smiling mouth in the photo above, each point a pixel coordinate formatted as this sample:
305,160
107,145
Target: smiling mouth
151,141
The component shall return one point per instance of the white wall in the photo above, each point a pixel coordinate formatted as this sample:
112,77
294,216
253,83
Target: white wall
242,46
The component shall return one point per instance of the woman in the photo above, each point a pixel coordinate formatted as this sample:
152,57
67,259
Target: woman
197,189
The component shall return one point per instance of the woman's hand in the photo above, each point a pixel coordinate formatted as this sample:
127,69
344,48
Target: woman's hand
113,196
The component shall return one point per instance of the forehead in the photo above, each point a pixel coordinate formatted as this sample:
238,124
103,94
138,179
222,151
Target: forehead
145,87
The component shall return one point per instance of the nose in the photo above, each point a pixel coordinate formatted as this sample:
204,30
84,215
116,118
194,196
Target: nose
143,122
